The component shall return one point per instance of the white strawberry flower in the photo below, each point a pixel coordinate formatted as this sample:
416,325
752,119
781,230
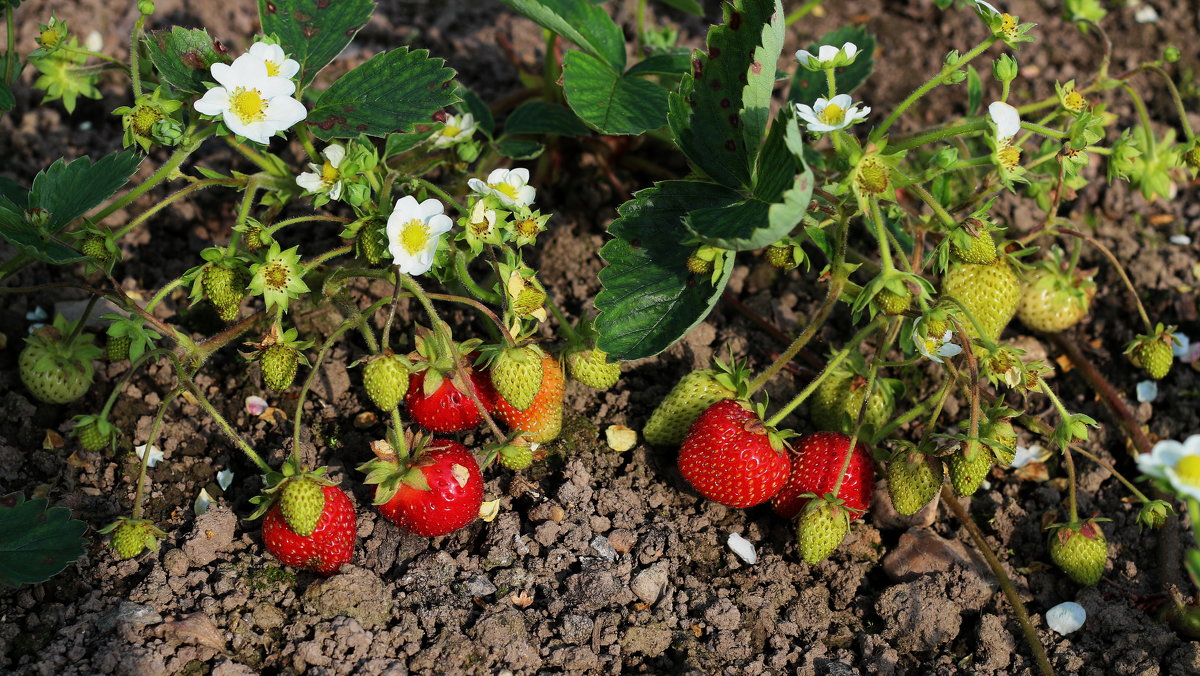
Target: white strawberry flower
1178,464
1006,120
510,186
980,5
828,56
325,178
250,101
275,59
831,114
455,130
414,231
937,348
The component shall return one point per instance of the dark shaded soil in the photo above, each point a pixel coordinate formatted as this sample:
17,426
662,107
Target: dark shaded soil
598,562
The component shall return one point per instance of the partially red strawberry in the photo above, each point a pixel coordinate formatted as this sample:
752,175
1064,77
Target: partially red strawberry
729,455
816,462
331,543
543,419
438,492
446,408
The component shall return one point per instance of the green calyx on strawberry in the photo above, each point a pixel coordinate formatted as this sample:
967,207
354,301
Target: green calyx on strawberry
516,372
823,524
817,460
128,337
279,355
914,478
99,245
385,378
56,364
437,490
515,454
695,392
990,292
708,261
786,254
1054,299
972,242
254,236
1154,514
1080,550
95,433
891,292
131,537
438,399
1002,364
1154,352
732,457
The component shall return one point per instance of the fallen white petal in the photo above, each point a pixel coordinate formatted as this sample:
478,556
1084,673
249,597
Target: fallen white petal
255,405
156,455
743,548
1066,617
1185,345
1147,391
202,502
37,315
1024,456
1146,14
224,478
1182,240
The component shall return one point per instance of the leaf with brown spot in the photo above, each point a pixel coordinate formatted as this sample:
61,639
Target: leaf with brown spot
314,32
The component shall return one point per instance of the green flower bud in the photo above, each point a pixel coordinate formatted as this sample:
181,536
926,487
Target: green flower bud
1005,68
1171,54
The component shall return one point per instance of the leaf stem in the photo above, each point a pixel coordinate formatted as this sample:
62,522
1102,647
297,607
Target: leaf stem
934,81
154,427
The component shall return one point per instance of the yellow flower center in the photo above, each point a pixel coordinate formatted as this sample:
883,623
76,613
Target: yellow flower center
272,68
142,119
330,174
248,104
1074,101
451,130
505,188
1010,157
528,228
1188,470
832,114
932,344
1008,26
413,236
276,276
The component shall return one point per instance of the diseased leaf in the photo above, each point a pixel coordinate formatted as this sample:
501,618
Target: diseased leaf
393,92
808,86
36,543
650,299
760,82
581,22
540,117
314,32
183,57
612,102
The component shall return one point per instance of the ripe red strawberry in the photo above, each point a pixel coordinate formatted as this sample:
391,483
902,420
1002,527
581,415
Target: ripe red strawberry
331,543
542,421
816,462
454,490
444,407
729,455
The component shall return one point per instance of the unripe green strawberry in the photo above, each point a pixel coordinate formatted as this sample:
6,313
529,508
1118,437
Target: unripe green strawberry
828,401
302,501
94,247
1052,302
694,393
386,380
990,292
117,347
517,375
94,435
892,303
1080,550
781,257
1001,432
699,266
913,480
131,537
981,251
1154,357
224,289
515,456
591,368
278,363
839,397
967,475
252,238
371,243
1192,156
820,529
56,372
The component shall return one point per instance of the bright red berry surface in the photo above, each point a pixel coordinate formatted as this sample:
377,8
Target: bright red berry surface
816,462
454,496
447,409
727,456
331,543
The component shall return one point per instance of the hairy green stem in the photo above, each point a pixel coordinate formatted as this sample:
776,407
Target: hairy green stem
924,89
802,11
154,428
1180,109
445,196
1151,141
172,198
135,74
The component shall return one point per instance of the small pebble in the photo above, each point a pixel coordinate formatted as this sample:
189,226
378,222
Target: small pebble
1182,240
1146,14
1066,617
743,548
604,548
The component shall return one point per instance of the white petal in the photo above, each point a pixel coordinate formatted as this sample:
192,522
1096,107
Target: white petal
406,209
156,455
1066,617
430,208
986,5
255,405
289,68
310,182
804,57
284,111
521,173
439,225
253,131
267,52
1192,445
477,186
526,195
1182,240
743,548
335,153
223,74
497,175
850,49
842,101
1147,14
1147,391
248,70
1007,119
335,191
1183,347
270,87
224,478
826,53
214,102
949,350
1182,488
202,502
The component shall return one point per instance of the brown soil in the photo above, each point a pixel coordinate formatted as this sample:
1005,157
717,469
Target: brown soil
626,568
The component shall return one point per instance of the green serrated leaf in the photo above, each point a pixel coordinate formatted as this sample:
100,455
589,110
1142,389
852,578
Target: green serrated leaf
393,92
540,117
581,22
69,190
36,243
704,113
808,86
399,143
611,102
669,63
519,149
775,166
314,32
650,299
183,57
36,543
760,82
689,6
